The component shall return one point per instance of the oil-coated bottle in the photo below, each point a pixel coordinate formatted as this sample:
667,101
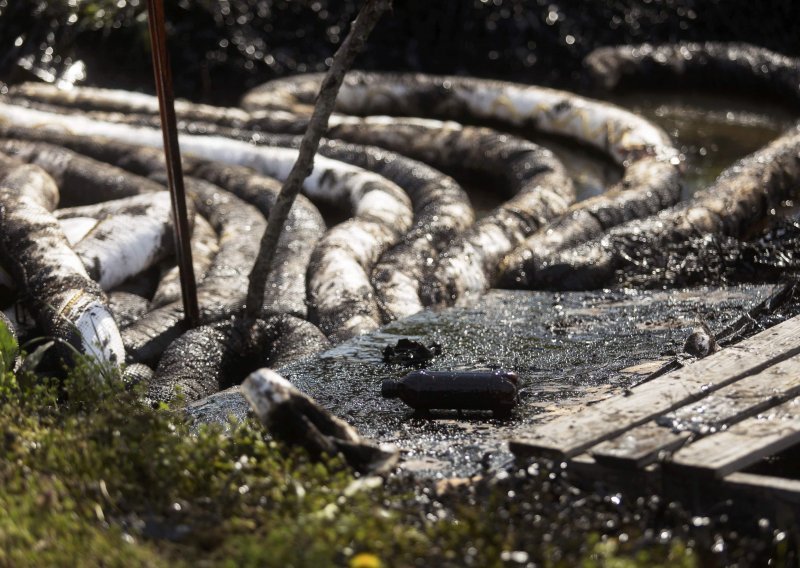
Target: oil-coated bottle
462,390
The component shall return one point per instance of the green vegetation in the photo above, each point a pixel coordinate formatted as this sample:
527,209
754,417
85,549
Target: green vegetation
89,472
91,475
217,49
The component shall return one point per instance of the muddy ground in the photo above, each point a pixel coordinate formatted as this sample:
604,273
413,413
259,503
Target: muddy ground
569,349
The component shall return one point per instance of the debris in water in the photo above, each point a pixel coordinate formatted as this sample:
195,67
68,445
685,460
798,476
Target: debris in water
701,342
295,418
410,353
460,390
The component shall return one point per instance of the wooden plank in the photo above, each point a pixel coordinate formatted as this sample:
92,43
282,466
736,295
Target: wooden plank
639,446
744,398
756,493
585,472
781,488
752,495
764,495
742,444
567,437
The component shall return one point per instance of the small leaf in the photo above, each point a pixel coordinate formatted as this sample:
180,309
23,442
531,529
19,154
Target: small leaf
9,349
32,361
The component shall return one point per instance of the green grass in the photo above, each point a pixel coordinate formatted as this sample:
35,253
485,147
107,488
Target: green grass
90,472
92,476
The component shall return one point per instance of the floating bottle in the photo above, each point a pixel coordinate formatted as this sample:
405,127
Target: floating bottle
461,390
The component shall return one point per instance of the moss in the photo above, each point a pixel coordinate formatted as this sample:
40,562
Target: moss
91,475
88,470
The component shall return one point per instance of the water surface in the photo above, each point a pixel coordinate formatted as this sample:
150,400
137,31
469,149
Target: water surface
568,349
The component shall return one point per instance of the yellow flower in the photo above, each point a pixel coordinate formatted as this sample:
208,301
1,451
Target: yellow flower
365,560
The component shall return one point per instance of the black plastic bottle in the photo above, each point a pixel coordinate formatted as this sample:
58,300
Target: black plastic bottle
461,390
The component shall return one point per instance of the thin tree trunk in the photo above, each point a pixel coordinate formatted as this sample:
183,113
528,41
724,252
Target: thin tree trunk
369,15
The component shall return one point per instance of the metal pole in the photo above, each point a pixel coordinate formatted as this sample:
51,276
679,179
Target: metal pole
166,103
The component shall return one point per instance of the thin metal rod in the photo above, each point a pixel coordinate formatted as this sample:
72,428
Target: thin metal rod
166,104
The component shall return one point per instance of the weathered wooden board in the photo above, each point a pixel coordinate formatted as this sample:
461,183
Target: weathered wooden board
780,488
583,470
572,435
742,444
639,446
742,399
760,494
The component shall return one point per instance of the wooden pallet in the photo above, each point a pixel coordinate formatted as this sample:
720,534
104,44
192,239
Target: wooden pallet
708,420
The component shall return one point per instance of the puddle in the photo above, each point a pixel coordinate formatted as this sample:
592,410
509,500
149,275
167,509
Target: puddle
568,348
710,130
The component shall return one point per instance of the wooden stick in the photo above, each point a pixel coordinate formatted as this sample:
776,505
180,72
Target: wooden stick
367,17
166,104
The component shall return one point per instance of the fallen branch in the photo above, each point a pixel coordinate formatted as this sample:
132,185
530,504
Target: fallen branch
369,15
